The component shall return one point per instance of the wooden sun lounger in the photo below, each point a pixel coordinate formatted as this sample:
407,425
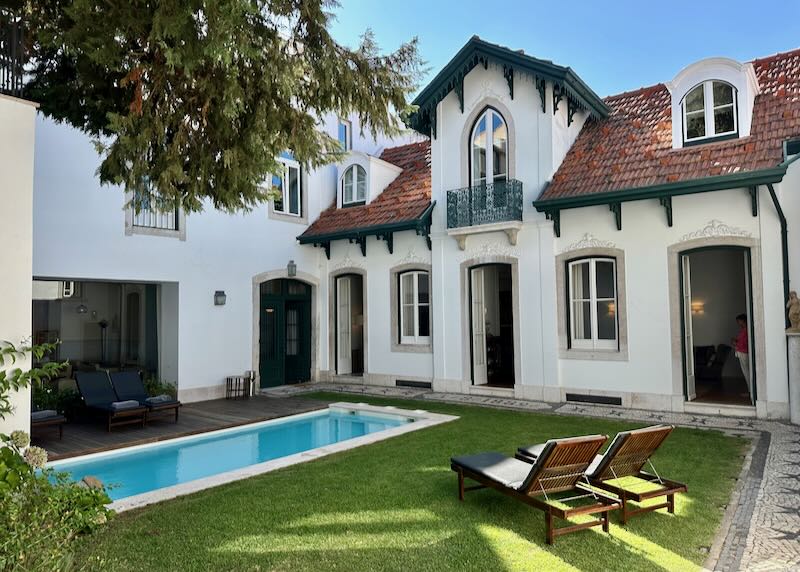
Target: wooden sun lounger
560,468
129,385
625,457
98,394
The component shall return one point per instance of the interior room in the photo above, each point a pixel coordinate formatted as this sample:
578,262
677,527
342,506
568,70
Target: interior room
719,294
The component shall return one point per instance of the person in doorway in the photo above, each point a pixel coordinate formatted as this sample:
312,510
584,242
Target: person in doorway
741,347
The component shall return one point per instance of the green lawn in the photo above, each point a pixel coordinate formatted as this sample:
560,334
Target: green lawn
393,506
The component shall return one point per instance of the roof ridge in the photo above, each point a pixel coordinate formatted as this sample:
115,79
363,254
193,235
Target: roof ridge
635,91
764,59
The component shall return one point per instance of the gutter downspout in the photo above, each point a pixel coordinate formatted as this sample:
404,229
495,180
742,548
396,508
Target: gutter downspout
784,242
785,255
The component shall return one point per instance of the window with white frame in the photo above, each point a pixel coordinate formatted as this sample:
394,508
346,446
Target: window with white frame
287,186
345,134
593,303
489,149
415,308
709,110
354,185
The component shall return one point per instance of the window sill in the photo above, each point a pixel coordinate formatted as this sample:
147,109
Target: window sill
711,139
287,217
594,355
412,348
147,231
354,204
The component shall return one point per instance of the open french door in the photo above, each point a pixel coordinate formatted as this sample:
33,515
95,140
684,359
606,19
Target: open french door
344,326
688,338
478,306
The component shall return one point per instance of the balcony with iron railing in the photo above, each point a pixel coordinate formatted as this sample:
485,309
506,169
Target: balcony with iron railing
492,207
11,53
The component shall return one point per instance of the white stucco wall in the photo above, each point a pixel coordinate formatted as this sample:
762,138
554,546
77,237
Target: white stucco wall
16,165
79,233
647,377
538,142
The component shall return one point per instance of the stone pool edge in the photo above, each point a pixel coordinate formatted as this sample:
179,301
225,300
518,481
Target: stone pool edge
422,420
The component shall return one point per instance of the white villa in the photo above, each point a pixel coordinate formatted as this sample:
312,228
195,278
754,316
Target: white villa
528,239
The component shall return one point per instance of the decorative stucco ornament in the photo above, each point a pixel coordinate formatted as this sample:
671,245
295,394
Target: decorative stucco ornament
793,306
715,228
589,241
490,249
412,257
347,262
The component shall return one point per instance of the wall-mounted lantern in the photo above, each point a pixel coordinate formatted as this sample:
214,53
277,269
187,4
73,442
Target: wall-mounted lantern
698,307
291,269
220,298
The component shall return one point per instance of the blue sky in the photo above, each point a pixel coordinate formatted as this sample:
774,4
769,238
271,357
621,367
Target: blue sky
614,46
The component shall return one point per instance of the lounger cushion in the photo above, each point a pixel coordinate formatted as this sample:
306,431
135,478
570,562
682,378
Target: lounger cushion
500,468
159,400
533,451
44,414
124,405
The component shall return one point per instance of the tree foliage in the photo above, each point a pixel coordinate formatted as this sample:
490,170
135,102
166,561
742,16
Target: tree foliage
194,99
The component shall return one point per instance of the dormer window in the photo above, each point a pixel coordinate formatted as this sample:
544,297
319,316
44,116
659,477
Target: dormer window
489,143
354,186
709,110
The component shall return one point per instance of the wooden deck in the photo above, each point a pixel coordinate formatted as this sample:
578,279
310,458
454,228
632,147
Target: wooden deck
90,436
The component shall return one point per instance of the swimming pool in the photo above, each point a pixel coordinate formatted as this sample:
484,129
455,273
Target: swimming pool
136,471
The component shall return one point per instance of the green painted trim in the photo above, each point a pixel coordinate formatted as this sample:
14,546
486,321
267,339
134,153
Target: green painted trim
704,185
477,51
714,139
355,234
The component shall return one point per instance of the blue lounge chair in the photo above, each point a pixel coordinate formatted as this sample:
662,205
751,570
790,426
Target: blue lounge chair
129,386
98,394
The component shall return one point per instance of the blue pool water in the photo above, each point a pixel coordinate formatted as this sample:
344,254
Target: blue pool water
166,464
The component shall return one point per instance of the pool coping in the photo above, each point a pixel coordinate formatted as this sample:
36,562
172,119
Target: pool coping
422,420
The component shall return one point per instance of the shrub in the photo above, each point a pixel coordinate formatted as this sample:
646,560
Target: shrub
41,511
155,386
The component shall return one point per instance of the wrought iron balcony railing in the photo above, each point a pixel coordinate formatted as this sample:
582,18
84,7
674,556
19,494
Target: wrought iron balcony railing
500,201
11,54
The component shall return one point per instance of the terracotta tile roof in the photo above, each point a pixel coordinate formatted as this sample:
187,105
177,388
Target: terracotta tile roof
404,200
632,148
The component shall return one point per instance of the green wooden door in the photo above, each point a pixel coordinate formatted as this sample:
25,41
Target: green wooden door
271,343
285,332
297,362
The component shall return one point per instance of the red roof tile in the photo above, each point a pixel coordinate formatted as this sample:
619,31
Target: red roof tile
632,147
405,199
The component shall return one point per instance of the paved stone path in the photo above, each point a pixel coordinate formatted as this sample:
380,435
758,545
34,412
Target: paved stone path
761,527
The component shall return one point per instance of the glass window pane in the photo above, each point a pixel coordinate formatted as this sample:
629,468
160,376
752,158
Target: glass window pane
422,287
499,147
407,288
348,186
297,288
723,120
723,93
479,153
294,190
581,320
579,275
269,330
362,184
695,125
408,320
277,184
292,332
344,135
424,321
606,321
604,274
272,287
695,99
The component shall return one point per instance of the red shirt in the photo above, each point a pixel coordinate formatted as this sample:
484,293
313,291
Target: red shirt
741,341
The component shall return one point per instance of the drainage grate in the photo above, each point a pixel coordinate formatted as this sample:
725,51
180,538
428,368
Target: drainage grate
599,399
414,384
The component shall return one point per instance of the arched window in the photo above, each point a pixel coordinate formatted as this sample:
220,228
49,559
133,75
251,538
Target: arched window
709,110
354,185
489,149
